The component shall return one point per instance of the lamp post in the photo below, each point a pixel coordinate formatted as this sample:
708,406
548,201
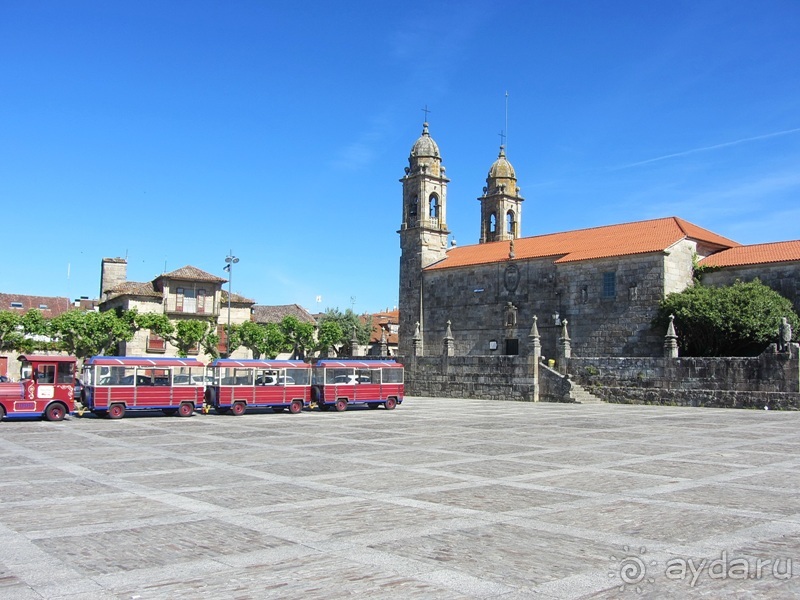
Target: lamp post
230,260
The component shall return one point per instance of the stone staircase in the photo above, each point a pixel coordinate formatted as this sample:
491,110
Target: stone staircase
580,396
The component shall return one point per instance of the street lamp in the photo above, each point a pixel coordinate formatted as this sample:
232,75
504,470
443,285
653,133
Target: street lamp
230,260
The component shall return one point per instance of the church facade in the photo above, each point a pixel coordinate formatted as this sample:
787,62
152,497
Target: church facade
605,282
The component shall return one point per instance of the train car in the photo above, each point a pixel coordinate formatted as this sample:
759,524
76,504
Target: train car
46,389
341,383
236,385
113,385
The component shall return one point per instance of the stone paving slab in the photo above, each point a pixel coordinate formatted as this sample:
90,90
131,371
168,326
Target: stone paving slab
440,498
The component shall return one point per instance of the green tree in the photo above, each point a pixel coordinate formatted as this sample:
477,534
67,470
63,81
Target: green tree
348,321
10,331
263,340
85,334
190,335
735,320
329,335
299,336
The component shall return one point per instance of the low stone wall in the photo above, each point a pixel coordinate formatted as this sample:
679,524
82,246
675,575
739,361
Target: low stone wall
769,380
484,377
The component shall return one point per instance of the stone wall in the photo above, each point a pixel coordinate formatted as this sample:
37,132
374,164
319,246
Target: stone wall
771,379
476,302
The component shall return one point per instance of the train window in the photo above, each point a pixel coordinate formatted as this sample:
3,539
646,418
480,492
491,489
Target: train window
118,376
65,373
45,374
297,376
392,375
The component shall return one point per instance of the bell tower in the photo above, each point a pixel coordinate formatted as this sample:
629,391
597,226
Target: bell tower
501,204
423,230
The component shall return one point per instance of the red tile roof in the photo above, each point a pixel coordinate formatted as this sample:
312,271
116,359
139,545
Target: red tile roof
54,306
755,254
381,321
190,273
276,313
625,239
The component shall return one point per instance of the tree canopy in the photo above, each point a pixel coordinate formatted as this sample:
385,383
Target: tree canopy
348,321
735,320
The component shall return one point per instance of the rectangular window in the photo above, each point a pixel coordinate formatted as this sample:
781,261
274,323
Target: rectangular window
512,347
66,373
189,301
609,285
179,300
16,305
201,301
222,346
155,343
392,375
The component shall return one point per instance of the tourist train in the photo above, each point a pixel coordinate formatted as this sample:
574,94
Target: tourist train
111,386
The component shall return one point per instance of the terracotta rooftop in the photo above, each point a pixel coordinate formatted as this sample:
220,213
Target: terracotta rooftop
49,306
134,288
235,298
625,239
754,254
190,273
381,321
275,314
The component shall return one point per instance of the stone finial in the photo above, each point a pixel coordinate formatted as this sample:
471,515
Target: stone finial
449,348
533,336
417,341
416,332
511,253
671,340
784,335
354,343
564,332
564,346
384,343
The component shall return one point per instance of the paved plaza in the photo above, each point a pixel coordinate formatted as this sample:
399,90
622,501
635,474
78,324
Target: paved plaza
440,498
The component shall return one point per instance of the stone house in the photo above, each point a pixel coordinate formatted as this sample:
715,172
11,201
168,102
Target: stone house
383,335
606,282
186,293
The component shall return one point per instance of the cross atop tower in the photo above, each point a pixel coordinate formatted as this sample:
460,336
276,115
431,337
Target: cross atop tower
502,138
426,111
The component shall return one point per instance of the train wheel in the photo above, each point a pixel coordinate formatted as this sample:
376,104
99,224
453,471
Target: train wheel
2,412
238,408
55,412
222,410
116,411
373,404
390,403
186,409
341,405
169,411
296,407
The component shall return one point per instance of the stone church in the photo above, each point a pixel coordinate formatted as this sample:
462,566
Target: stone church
606,282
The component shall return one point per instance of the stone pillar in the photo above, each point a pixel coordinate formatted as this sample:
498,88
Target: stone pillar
534,357
564,348
449,349
417,339
354,343
671,340
384,343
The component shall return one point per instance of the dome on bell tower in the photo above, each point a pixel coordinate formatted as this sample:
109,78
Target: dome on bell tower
425,147
501,168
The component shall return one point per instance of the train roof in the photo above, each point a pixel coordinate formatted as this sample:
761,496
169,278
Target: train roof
144,361
356,364
46,358
255,363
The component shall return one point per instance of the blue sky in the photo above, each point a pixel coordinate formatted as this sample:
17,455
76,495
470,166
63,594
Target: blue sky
173,132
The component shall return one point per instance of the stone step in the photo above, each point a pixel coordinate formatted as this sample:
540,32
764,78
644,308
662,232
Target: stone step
581,396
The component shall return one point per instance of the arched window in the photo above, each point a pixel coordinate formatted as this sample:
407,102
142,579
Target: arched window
493,223
434,206
510,223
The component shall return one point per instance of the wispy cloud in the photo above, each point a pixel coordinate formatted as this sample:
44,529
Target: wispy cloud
706,148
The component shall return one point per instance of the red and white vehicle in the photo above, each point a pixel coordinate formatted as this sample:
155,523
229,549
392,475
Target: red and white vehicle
236,385
341,383
46,389
113,385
